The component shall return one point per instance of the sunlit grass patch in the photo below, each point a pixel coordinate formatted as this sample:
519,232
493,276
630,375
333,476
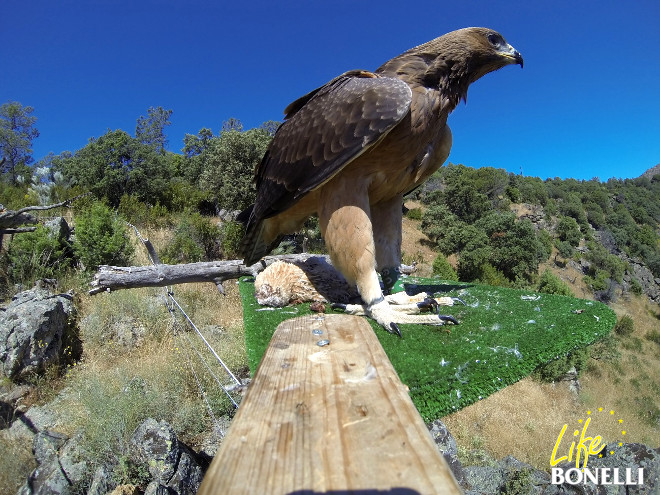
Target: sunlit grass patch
504,335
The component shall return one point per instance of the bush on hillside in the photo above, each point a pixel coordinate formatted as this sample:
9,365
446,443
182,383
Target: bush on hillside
101,238
549,283
34,255
443,269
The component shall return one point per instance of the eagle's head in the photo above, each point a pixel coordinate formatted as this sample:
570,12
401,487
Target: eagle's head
454,61
477,51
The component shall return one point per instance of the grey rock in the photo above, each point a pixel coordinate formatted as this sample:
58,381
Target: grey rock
630,455
73,461
154,488
447,446
61,468
58,228
102,482
34,420
171,464
46,445
158,445
31,331
483,479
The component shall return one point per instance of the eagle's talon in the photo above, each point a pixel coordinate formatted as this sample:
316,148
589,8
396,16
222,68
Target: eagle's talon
394,328
429,304
458,299
448,318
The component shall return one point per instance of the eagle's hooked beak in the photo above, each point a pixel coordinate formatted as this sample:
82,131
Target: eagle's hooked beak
512,55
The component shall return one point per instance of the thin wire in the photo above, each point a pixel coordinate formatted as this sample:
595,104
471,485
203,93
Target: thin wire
238,381
206,400
217,380
171,296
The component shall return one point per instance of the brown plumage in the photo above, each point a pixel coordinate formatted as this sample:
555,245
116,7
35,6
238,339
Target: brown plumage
349,150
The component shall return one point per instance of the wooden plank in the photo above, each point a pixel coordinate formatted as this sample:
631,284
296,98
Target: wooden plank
327,418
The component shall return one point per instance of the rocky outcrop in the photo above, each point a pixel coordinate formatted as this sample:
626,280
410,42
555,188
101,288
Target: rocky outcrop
173,467
32,328
61,466
515,477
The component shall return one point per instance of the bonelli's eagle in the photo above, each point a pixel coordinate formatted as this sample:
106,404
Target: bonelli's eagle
349,151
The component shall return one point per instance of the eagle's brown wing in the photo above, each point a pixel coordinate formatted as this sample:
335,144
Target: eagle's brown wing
325,130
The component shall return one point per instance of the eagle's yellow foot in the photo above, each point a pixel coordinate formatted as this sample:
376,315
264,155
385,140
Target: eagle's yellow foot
389,317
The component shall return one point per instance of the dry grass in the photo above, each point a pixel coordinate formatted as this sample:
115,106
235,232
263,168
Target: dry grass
16,463
525,419
522,420
415,245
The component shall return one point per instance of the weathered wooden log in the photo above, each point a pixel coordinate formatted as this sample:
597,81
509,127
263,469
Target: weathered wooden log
327,413
13,218
120,277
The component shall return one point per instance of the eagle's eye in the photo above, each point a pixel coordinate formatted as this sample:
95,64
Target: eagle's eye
494,40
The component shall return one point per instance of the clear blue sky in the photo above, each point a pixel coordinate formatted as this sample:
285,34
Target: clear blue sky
587,103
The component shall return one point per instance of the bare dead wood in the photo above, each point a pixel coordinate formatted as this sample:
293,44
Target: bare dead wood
109,278
14,218
327,419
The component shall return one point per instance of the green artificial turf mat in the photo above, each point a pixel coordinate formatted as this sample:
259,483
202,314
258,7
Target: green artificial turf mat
504,335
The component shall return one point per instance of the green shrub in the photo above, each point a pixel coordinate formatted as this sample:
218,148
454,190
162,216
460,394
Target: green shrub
600,280
554,370
492,276
635,287
232,234
549,283
101,238
653,336
196,238
443,269
565,249
568,230
624,326
414,214
38,254
544,249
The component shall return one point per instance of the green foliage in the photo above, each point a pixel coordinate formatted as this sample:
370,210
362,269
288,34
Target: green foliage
465,201
227,163
38,254
636,288
232,235
568,230
437,221
519,482
150,130
101,238
599,281
17,132
653,336
490,275
602,260
14,196
549,283
554,370
514,246
443,269
116,164
472,262
196,238
625,326
544,245
414,213
565,249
